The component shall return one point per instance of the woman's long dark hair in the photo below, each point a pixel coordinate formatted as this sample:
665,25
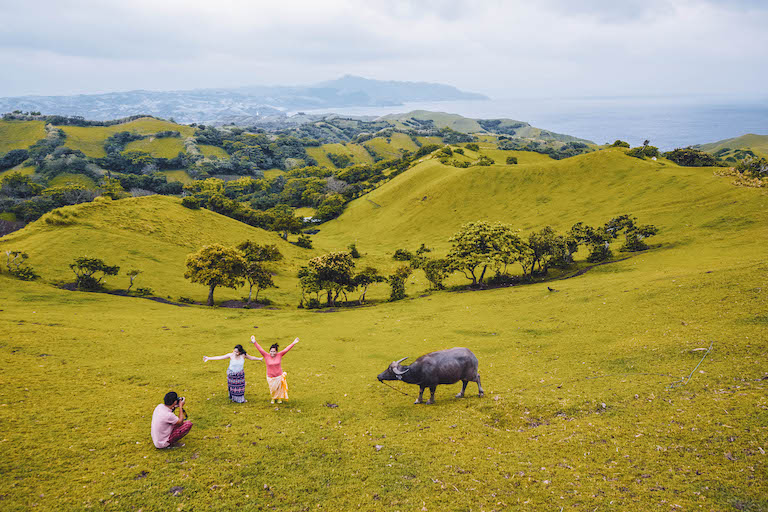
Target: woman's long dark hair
241,349
275,346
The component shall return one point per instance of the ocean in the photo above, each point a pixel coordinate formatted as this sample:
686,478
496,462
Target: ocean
667,122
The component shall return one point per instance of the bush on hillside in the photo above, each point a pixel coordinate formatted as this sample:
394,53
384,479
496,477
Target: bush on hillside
689,157
90,272
511,160
620,144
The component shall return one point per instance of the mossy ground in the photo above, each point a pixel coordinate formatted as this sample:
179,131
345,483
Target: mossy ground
579,411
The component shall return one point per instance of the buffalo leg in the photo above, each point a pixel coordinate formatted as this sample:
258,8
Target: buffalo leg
432,398
463,388
421,396
479,387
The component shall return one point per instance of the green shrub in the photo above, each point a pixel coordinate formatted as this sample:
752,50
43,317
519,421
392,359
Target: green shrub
511,160
191,202
304,242
402,255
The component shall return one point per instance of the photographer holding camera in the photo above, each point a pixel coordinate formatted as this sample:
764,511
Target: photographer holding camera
167,428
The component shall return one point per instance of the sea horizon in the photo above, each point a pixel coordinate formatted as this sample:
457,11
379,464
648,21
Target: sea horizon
668,122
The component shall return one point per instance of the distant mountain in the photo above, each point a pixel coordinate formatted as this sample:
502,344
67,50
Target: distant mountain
238,105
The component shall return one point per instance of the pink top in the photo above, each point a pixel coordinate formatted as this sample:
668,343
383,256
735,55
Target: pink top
273,363
163,421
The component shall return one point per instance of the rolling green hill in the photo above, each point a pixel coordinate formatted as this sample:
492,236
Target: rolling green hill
600,391
90,139
729,147
153,234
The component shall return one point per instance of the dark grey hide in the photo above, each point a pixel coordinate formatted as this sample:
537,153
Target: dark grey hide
442,367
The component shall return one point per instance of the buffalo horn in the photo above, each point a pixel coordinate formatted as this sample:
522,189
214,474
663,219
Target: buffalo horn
401,360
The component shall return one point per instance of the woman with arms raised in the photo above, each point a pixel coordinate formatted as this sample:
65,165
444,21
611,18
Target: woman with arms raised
278,386
235,372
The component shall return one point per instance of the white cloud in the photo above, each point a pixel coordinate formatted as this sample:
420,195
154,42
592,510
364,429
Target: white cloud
556,47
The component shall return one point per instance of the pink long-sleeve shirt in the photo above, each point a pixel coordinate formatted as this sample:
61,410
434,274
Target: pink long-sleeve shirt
273,363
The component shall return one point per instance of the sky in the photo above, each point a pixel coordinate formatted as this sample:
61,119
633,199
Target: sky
502,48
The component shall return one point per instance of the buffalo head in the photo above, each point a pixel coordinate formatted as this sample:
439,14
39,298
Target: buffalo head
394,371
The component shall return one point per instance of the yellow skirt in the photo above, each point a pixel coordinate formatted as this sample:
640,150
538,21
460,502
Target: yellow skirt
278,387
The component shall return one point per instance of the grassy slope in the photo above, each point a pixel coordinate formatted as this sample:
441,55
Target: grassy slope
90,139
154,234
358,154
20,134
178,175
166,147
392,149
74,179
441,119
577,414
208,151
757,143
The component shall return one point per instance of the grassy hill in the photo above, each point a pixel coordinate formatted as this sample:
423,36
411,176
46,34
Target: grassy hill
19,134
90,139
593,394
728,147
153,234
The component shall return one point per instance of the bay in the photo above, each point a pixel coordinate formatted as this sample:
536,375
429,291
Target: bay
668,122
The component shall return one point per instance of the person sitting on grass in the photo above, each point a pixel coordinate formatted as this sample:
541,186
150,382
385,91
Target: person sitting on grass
167,428
278,385
235,372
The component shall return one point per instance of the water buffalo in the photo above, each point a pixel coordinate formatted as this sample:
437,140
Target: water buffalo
442,367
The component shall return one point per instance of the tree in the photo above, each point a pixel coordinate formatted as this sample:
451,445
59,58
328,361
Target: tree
132,275
86,272
334,273
112,188
16,184
216,265
511,160
598,239
284,221
331,207
365,278
397,282
256,272
480,244
436,270
689,157
14,262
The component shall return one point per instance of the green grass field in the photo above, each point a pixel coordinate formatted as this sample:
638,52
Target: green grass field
166,147
357,153
579,413
90,139
20,134
72,179
178,175
208,151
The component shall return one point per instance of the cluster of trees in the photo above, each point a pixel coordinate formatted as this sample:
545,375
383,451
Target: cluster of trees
334,275
27,199
482,246
555,149
689,157
57,120
232,267
644,151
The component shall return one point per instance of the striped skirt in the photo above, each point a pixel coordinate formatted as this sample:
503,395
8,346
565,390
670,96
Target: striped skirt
278,387
236,385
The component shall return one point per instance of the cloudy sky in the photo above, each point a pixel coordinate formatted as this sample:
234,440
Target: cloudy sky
501,48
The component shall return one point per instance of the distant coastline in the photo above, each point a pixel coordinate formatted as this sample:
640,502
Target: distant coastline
668,122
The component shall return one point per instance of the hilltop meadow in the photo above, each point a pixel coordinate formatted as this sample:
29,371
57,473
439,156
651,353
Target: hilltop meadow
638,383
